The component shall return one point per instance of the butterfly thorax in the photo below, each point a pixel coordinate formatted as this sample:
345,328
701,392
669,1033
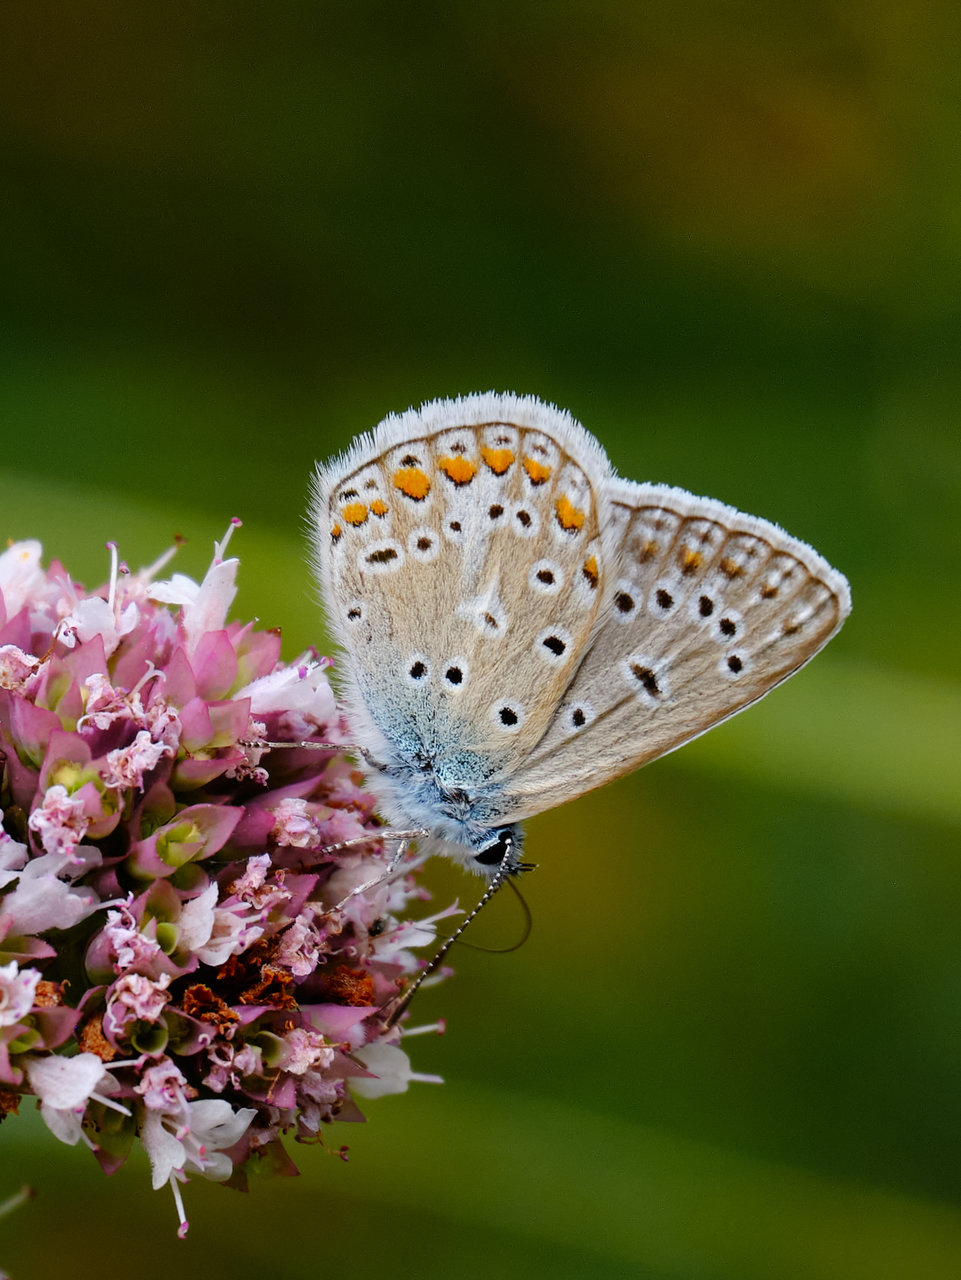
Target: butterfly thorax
445,794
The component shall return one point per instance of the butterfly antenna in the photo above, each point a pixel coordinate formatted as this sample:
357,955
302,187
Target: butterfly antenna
528,921
394,1009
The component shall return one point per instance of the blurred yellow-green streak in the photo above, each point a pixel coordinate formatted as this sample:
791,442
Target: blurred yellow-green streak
892,740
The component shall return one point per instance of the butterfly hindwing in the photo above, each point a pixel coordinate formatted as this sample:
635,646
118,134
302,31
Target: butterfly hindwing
706,610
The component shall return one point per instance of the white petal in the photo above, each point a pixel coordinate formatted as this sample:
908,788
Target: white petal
208,611
20,575
65,1125
64,1083
176,590
391,1067
196,922
165,1151
214,1122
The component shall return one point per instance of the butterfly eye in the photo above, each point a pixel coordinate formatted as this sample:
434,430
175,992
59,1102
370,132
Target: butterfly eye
500,847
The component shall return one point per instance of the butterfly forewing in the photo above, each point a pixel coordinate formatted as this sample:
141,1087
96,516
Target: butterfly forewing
464,567
706,610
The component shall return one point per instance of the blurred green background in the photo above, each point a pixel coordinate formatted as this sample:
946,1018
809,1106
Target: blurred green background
728,237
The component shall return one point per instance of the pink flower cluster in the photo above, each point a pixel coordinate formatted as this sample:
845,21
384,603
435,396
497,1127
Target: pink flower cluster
188,958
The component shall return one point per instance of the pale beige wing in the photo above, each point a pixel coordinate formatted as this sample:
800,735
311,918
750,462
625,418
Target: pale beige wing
707,610
463,567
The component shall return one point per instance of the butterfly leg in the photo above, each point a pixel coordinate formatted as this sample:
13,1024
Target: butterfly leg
345,748
403,837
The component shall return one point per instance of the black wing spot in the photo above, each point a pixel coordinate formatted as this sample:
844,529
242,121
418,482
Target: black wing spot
734,664
624,602
417,670
555,644
664,598
645,677
705,606
727,626
383,556
454,675
507,715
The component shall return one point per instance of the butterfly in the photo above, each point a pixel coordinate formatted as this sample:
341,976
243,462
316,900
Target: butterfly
521,625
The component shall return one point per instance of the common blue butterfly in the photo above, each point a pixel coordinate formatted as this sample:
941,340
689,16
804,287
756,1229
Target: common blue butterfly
520,624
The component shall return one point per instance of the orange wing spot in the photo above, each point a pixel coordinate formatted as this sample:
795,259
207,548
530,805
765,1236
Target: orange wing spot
459,469
537,471
648,552
336,532
412,482
355,513
378,507
691,561
730,568
768,591
497,459
569,517
590,572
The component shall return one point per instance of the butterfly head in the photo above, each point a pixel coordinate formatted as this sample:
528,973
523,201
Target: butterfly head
500,849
